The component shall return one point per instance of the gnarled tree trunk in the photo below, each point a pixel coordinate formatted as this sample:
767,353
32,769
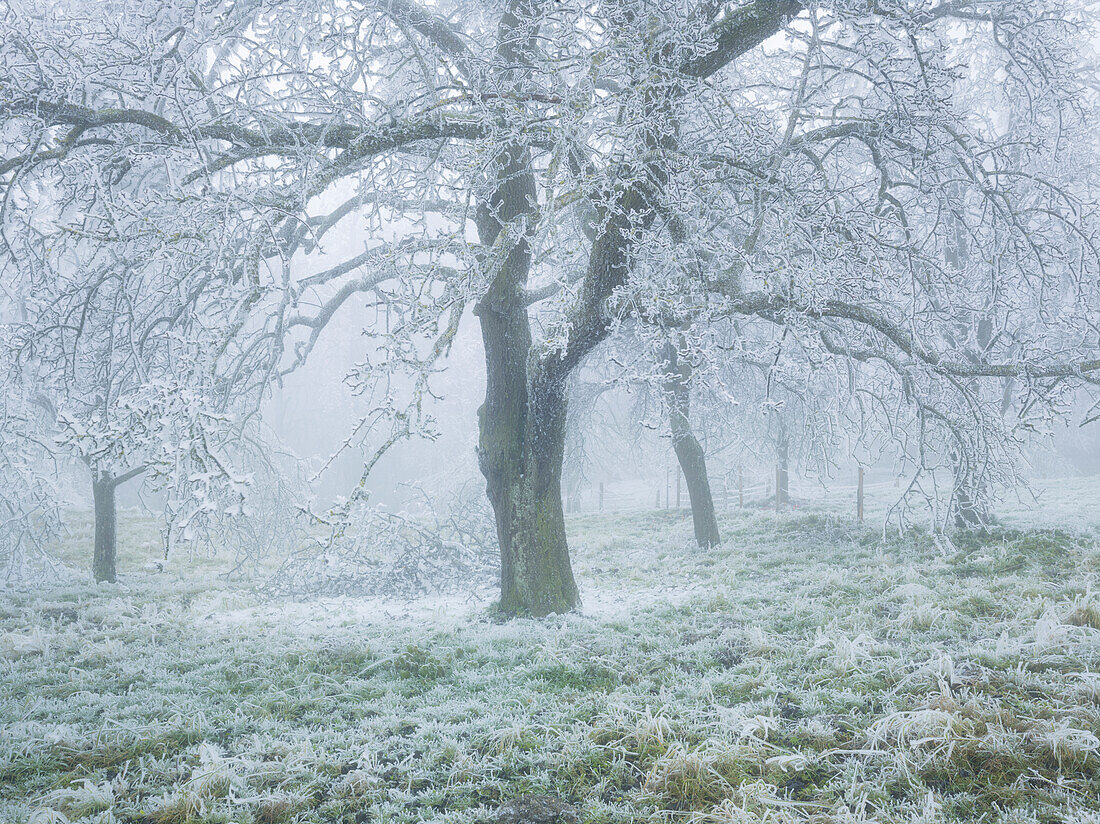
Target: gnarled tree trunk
689,452
522,422
520,451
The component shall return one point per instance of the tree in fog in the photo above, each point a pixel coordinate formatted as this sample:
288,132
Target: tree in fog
677,370
124,349
564,167
29,504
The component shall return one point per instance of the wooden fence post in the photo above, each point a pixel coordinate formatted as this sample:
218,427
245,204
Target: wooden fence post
601,496
859,496
678,488
778,481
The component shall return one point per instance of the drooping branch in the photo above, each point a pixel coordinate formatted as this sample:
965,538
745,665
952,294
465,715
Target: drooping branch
275,136
740,31
773,307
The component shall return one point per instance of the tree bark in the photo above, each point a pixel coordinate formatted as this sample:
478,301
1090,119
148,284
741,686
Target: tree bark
104,557
522,422
520,451
782,476
969,509
521,442
689,452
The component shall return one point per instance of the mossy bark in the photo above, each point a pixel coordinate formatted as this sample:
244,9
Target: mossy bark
104,555
520,451
689,452
522,422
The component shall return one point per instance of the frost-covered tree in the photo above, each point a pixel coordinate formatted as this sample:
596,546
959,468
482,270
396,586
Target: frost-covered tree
677,389
29,501
565,166
120,388
124,346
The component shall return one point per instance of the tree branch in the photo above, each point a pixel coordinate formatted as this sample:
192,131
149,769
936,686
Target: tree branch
771,307
740,31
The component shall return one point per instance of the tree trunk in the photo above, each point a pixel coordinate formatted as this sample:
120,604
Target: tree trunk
782,475
688,450
969,509
522,422
520,451
103,560
968,513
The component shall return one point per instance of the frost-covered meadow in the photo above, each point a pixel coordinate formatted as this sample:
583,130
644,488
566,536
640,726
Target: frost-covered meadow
549,411
804,670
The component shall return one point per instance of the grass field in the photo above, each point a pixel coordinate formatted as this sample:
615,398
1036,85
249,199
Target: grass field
809,669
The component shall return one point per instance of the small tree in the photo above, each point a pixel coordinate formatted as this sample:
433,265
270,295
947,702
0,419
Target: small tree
128,357
29,501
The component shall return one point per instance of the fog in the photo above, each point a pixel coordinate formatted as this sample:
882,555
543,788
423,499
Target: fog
544,412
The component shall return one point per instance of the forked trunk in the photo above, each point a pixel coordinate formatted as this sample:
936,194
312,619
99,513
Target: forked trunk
521,448
103,559
689,452
522,422
523,418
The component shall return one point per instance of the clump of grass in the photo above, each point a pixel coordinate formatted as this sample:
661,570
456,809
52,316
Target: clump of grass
82,798
1072,747
641,735
182,807
581,676
1001,551
114,750
1085,610
693,779
215,776
278,808
14,645
417,662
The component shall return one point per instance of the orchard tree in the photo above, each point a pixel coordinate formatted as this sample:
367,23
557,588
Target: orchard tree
29,501
828,212
677,370
564,168
124,349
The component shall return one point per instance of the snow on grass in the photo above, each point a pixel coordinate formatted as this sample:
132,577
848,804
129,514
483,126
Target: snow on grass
807,670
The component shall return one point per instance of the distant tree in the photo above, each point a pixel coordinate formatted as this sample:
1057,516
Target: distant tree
125,350
29,501
676,385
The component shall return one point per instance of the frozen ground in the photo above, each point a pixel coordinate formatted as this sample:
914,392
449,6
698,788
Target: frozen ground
806,670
